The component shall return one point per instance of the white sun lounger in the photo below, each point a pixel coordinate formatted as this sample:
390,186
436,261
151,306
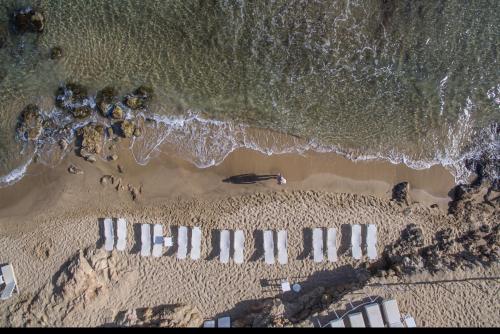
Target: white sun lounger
285,286
356,320
374,315
239,246
121,232
331,244
224,322
337,323
282,247
109,235
224,246
182,242
10,281
268,247
371,241
157,240
409,321
317,244
356,241
145,240
195,243
209,324
391,313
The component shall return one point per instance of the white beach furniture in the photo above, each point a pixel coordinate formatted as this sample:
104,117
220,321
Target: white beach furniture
356,241
409,321
209,324
224,246
157,240
317,244
391,313
282,247
356,320
331,244
337,323
371,241
121,232
239,246
9,278
182,242
374,315
268,247
109,235
195,243
285,286
224,322
145,240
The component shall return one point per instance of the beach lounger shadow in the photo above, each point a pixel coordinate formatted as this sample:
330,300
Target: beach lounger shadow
307,242
214,241
258,237
248,178
136,249
100,241
345,239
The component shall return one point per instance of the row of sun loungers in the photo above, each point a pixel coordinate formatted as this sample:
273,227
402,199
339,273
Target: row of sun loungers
9,279
159,241
374,318
223,322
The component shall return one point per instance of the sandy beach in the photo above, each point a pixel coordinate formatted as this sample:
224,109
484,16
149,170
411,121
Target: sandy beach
52,232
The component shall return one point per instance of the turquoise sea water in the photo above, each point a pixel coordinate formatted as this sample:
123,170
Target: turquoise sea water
408,81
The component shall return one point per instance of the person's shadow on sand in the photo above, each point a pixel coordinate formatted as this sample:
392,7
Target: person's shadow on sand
248,178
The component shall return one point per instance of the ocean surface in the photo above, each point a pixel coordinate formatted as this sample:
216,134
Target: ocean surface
409,81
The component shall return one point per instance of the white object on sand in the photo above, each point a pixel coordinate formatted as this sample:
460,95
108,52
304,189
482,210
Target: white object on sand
108,234
296,287
10,281
239,246
356,320
157,240
209,324
285,286
409,321
356,241
337,323
224,322
317,244
182,242
224,246
145,240
268,247
391,313
331,244
371,241
195,243
168,241
374,315
121,232
282,247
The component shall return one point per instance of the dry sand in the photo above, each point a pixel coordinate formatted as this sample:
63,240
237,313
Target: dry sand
50,216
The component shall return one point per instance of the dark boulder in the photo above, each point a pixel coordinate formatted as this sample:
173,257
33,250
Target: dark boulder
30,123
105,99
28,20
91,137
400,192
56,53
70,94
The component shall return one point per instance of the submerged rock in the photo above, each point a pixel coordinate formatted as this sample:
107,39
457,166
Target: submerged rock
91,138
70,94
81,112
56,53
117,112
28,20
139,98
105,99
30,123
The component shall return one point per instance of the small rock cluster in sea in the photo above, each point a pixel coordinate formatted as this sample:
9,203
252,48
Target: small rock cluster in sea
90,120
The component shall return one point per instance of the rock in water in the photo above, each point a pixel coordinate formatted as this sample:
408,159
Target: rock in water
70,96
56,53
81,112
75,170
400,192
30,123
91,138
105,98
117,112
127,128
28,20
140,98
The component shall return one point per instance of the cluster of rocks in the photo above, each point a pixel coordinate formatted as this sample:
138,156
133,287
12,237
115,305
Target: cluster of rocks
28,20
118,184
30,123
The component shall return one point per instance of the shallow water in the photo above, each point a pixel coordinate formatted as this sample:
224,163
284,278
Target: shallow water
409,81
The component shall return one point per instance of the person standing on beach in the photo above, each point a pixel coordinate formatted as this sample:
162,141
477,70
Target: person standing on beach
281,180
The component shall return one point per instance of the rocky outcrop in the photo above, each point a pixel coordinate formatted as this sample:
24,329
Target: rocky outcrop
127,128
28,20
161,316
105,99
91,137
117,112
30,123
140,98
400,192
71,98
